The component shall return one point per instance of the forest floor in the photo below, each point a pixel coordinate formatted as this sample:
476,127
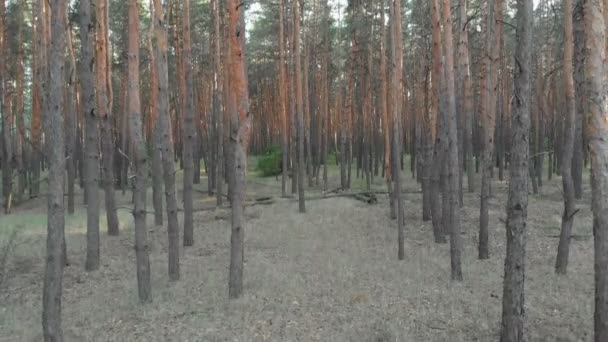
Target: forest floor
331,274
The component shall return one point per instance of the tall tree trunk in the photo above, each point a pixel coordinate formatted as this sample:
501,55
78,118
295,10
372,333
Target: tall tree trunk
103,66
87,84
488,117
452,162
240,141
218,108
563,249
7,124
70,124
434,157
38,68
164,123
514,325
189,129
155,141
597,129
579,85
140,160
283,101
19,103
397,101
386,115
299,106
53,129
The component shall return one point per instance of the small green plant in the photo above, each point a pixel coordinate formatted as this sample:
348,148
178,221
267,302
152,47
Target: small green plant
269,163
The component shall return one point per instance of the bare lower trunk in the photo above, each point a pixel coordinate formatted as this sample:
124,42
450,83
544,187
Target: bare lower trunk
167,148
514,325
189,129
563,249
54,133
91,117
595,31
140,160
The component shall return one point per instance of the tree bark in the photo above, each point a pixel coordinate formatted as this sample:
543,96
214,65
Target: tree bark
167,148
580,98
87,84
563,249
452,163
299,106
140,159
597,130
188,127
104,108
155,141
397,101
240,140
53,128
283,100
514,325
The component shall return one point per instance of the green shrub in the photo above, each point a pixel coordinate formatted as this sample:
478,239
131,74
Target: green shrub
269,164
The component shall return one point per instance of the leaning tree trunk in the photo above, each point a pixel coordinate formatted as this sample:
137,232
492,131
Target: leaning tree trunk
563,249
140,160
167,148
87,85
597,129
53,129
514,323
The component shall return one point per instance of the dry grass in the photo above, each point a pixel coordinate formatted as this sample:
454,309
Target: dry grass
328,275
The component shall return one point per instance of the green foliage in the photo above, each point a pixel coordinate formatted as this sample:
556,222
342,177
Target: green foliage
269,164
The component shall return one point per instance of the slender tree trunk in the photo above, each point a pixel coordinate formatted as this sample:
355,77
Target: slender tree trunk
189,128
70,124
218,108
53,128
514,325
240,141
452,162
20,141
7,124
140,160
87,84
167,148
435,156
397,101
155,141
103,106
488,117
563,249
580,99
283,101
299,106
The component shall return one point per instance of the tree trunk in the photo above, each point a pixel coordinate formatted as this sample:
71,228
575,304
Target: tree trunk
283,101
435,156
299,106
514,325
240,141
218,108
53,128
597,129
452,162
397,101
563,249
70,124
579,85
155,141
140,160
189,128
87,85
164,123
7,124
104,108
